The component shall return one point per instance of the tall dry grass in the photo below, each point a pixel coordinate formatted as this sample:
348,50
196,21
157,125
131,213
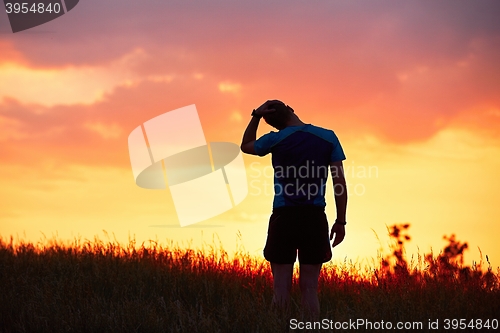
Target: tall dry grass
97,286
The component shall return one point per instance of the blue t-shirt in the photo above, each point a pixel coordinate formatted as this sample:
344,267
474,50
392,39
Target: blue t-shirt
301,156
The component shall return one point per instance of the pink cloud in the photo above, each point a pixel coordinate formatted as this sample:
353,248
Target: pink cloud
401,71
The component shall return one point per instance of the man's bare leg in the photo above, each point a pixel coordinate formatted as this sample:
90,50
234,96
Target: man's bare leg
308,282
282,276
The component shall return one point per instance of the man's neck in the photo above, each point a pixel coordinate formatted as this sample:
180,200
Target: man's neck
294,121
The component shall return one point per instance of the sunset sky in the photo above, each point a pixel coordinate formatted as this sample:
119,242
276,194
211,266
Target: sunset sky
411,88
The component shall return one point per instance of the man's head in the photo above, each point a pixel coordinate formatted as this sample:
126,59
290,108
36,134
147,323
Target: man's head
279,118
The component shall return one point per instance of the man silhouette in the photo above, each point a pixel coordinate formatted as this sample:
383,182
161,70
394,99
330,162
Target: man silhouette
301,155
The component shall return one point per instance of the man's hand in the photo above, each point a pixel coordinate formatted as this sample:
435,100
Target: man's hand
264,108
249,137
339,231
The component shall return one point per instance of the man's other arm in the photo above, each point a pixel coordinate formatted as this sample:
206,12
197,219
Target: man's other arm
340,192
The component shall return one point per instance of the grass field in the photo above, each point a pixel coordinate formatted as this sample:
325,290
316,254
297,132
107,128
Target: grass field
106,287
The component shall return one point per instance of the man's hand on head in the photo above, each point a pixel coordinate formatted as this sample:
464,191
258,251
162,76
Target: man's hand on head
267,107
250,135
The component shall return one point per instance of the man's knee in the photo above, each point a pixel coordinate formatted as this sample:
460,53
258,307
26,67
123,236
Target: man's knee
282,284
282,275
308,285
309,275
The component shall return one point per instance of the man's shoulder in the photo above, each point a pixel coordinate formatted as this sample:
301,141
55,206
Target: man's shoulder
319,128
321,132
324,133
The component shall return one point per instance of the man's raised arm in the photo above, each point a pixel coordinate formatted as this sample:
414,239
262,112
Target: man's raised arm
250,135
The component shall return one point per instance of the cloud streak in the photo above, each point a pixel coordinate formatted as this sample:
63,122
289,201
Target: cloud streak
399,71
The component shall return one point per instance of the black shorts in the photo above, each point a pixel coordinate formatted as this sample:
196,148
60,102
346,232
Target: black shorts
301,230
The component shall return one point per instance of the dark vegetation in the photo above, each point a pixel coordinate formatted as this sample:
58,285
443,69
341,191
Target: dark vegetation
105,287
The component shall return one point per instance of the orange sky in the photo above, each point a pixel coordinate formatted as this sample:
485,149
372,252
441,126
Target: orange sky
411,89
